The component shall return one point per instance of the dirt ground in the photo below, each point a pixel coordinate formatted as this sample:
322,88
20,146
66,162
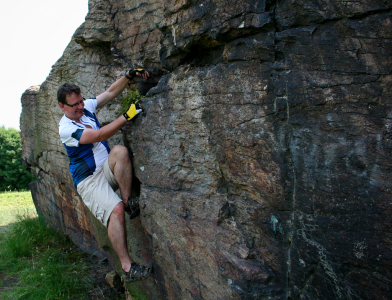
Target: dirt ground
101,289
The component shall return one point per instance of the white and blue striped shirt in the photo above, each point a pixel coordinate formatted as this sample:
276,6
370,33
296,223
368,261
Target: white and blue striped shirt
84,158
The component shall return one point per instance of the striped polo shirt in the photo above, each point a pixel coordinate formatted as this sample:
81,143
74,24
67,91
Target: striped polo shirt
84,159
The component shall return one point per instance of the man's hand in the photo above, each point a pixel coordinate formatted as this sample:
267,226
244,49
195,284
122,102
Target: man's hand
132,111
138,72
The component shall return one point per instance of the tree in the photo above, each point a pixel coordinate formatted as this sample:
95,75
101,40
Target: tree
13,175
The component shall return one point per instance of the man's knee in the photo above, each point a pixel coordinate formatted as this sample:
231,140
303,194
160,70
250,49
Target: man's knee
119,150
118,154
119,209
118,213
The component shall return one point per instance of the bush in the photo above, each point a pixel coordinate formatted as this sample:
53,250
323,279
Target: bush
13,175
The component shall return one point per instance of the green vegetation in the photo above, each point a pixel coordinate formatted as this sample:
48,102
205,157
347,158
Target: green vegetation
132,97
13,204
36,262
13,175
38,257
135,292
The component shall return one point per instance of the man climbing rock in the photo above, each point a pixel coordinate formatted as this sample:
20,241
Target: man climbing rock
96,169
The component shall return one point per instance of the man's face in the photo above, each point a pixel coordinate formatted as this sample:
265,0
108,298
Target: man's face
76,111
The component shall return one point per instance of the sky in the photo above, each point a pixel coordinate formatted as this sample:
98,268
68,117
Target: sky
34,35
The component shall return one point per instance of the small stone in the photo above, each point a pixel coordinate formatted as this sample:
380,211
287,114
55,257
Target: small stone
113,280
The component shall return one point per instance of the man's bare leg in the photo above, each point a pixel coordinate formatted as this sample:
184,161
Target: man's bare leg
121,166
118,236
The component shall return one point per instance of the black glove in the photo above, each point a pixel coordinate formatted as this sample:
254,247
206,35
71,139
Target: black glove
132,72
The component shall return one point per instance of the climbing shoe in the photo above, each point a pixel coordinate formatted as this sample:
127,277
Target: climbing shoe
137,272
132,209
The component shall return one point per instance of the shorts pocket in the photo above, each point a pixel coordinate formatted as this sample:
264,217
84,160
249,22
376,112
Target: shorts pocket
98,212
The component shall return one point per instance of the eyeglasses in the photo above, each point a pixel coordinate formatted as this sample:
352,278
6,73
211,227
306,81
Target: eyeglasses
75,104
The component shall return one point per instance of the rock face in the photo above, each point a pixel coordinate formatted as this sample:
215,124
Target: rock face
263,160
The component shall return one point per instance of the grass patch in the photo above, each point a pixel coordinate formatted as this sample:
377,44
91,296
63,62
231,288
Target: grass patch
13,204
38,256
36,262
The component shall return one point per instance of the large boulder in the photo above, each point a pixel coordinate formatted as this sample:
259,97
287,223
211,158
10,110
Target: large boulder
263,158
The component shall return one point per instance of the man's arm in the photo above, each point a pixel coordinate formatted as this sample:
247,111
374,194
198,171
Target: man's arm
112,92
117,88
93,136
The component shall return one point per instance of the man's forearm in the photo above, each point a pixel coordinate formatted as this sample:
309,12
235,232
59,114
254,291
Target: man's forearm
118,86
112,128
93,136
113,91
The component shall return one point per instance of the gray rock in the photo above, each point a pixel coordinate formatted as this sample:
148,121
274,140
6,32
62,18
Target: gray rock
263,157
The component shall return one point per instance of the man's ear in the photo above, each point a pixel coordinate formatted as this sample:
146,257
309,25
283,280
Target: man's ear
62,106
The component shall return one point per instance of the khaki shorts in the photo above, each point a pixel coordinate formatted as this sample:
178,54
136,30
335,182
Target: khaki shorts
98,192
